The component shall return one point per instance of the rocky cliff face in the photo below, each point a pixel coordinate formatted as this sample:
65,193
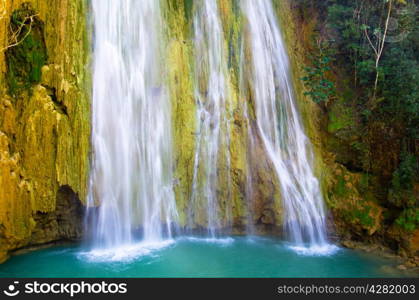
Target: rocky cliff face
44,121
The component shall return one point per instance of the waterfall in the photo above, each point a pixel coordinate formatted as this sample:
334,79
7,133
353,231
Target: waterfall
131,175
280,127
249,192
211,94
131,182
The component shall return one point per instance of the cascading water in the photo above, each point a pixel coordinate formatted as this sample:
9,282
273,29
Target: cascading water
131,177
211,93
249,193
280,127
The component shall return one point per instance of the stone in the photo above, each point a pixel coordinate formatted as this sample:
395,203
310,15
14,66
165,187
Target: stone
44,144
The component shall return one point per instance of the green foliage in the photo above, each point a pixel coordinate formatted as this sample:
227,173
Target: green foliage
188,7
408,219
398,92
364,183
401,193
351,27
340,189
406,173
338,121
27,55
359,215
362,149
401,88
321,89
363,216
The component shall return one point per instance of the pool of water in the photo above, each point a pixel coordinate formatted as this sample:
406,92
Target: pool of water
198,257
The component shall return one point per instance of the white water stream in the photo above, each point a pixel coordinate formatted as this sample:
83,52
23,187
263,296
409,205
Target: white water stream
131,177
211,93
280,127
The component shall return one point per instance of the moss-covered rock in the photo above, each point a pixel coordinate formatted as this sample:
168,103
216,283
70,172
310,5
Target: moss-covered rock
26,53
44,120
247,166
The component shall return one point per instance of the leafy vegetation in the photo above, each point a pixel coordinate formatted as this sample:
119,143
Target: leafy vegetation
321,89
354,33
26,53
387,88
401,193
408,219
373,51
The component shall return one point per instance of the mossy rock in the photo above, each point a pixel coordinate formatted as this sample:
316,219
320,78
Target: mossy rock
27,51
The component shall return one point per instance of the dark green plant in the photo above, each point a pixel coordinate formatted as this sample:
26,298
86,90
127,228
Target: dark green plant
408,219
26,53
406,174
401,193
320,88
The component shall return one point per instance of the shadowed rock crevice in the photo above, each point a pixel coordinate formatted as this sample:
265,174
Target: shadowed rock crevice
69,212
59,106
65,223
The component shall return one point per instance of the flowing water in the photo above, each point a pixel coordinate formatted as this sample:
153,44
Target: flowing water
201,257
132,167
280,127
212,141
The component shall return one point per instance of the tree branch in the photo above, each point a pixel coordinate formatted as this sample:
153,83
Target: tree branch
369,40
15,34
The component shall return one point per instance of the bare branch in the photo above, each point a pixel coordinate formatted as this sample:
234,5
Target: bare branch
386,26
14,39
369,40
